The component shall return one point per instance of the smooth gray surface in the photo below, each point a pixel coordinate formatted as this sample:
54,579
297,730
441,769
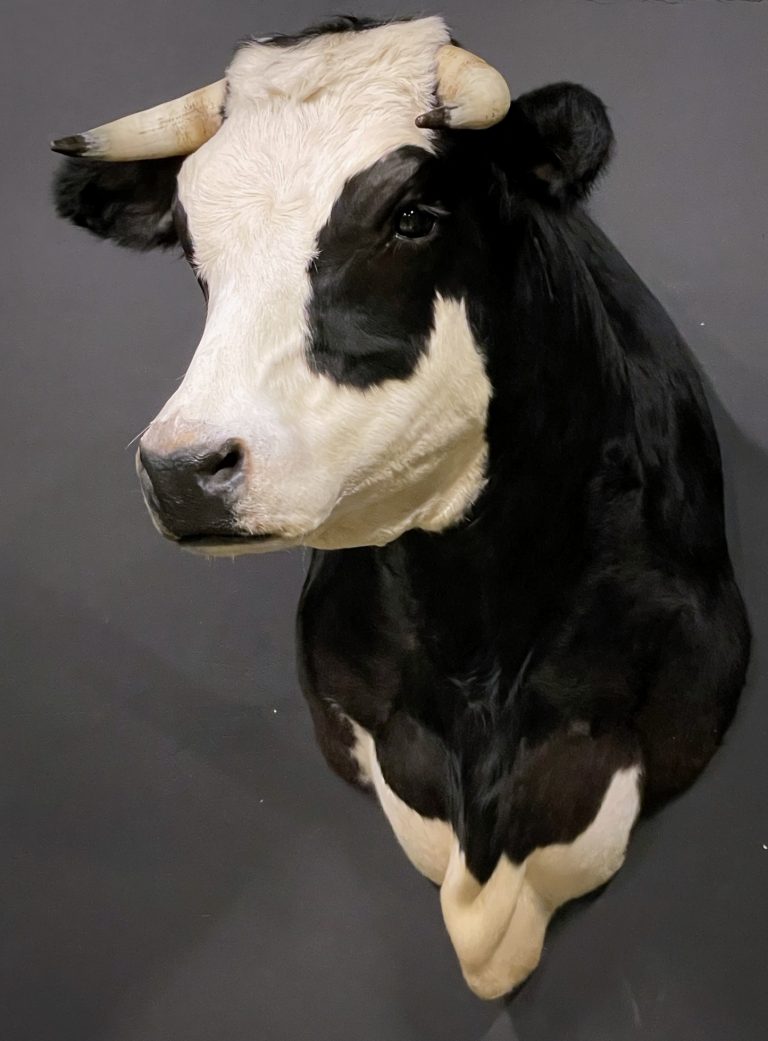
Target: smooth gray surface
178,864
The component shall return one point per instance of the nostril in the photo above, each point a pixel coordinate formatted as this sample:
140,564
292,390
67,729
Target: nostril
218,469
231,461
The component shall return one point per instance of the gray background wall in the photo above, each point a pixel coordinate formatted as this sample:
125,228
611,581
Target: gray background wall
178,864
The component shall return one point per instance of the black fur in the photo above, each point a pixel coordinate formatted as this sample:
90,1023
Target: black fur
570,140
129,203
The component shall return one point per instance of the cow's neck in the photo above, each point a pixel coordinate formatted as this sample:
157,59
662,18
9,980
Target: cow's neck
466,606
479,595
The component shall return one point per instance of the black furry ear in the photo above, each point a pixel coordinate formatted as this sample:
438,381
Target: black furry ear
129,203
561,140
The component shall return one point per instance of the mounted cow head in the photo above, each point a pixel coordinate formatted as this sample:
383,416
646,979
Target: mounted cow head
346,232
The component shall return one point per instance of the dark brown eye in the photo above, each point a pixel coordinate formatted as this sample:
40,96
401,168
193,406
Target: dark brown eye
413,222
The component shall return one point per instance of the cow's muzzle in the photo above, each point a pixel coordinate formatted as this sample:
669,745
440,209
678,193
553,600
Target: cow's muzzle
191,492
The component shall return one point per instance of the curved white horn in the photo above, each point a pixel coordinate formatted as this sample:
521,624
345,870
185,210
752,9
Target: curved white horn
176,127
472,94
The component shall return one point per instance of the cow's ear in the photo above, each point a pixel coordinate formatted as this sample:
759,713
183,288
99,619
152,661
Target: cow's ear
129,203
559,140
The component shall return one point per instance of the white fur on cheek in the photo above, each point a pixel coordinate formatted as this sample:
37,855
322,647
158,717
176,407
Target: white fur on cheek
414,449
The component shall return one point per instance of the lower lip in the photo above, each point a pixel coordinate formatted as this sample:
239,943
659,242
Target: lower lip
221,541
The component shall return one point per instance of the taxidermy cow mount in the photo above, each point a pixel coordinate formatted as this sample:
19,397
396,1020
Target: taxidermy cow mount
423,359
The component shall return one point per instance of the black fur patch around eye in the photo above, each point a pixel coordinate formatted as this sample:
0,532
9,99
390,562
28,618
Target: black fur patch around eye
373,292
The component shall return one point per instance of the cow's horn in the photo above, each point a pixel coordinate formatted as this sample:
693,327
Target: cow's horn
472,95
176,127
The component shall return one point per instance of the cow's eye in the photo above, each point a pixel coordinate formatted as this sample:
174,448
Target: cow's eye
414,222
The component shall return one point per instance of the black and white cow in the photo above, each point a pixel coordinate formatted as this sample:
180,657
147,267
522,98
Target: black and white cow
421,358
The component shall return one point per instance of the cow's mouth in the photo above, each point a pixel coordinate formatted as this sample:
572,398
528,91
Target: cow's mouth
210,540
223,544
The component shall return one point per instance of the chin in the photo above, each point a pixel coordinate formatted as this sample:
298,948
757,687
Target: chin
235,545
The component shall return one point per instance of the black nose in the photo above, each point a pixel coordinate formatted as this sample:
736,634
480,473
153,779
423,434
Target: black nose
193,491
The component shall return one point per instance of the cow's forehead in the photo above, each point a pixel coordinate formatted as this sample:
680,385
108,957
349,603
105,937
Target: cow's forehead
389,68
301,120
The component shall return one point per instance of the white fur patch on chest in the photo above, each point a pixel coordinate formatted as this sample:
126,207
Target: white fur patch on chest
498,927
427,841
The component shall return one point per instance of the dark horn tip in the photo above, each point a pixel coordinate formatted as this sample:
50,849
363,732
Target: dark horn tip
436,119
75,144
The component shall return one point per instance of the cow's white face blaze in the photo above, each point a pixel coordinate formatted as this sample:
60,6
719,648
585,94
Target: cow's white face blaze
329,462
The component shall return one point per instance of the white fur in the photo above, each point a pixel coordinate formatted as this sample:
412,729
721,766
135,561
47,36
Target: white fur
329,466
361,751
498,928
427,841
